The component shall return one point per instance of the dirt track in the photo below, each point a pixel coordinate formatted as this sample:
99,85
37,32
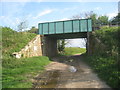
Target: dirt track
58,74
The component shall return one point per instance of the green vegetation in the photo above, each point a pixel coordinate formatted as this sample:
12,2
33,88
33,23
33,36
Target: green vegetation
106,63
61,45
73,50
13,41
18,73
103,20
109,37
106,68
33,30
115,20
97,20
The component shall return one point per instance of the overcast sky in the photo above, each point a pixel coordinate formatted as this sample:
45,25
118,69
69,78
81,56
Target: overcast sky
12,12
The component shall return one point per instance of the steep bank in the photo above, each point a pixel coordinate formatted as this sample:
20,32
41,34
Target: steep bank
18,73
104,53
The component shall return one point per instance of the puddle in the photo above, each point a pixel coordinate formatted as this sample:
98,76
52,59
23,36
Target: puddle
48,80
51,79
72,69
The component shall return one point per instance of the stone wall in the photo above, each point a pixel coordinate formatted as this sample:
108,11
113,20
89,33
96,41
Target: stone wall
33,48
95,45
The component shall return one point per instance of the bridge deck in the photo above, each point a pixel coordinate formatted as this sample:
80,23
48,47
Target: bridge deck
68,35
68,28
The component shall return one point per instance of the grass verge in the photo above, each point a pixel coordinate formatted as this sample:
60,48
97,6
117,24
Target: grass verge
106,68
74,50
18,73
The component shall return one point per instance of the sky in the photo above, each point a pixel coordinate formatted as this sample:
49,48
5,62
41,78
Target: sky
12,12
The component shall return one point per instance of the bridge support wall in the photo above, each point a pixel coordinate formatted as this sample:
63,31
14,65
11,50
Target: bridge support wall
88,43
49,46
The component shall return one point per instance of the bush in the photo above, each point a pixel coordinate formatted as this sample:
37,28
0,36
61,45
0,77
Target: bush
109,37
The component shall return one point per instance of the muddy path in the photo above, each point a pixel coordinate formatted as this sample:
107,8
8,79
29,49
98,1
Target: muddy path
68,72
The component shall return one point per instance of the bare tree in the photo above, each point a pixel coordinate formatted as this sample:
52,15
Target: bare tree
22,26
84,15
88,14
77,17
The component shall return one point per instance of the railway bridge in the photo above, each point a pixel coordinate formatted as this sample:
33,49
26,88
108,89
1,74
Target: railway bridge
52,31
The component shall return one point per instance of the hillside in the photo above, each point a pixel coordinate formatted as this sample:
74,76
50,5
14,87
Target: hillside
104,58
13,41
17,73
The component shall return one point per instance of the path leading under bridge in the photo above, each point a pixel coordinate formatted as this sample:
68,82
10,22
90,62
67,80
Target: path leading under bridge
60,74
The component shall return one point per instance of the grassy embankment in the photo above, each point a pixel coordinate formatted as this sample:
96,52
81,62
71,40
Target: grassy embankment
17,73
105,63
